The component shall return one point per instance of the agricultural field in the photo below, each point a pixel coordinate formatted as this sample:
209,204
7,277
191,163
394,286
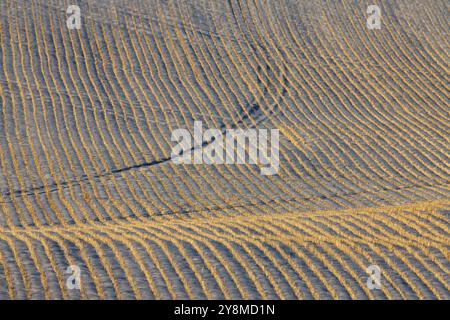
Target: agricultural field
88,185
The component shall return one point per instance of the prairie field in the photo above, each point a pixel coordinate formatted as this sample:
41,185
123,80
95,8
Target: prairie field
86,171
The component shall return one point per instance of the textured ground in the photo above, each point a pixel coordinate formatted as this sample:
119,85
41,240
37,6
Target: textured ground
86,179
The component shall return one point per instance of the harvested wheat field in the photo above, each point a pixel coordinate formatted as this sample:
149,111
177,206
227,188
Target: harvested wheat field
88,181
